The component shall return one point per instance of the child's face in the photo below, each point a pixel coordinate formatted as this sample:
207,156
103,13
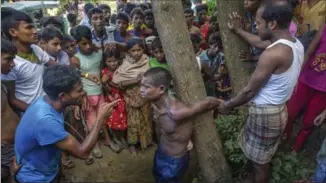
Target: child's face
53,47
158,53
97,21
70,48
85,46
202,15
136,52
251,5
7,62
189,18
213,48
149,21
111,63
137,21
122,25
150,92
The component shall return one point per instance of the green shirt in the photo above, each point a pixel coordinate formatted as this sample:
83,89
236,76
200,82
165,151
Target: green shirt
90,64
153,62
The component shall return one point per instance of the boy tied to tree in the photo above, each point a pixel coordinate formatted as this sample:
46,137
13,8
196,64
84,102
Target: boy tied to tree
174,127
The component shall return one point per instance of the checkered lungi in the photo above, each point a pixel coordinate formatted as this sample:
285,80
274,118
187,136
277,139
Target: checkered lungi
262,132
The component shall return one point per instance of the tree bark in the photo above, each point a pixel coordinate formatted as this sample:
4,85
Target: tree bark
233,44
188,82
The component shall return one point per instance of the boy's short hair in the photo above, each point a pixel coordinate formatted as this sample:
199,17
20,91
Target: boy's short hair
8,47
67,38
94,11
59,79
113,18
52,20
143,6
137,11
81,31
104,7
128,7
188,11
195,38
213,19
134,41
201,7
157,43
215,37
122,16
159,77
71,17
11,19
87,7
50,33
148,13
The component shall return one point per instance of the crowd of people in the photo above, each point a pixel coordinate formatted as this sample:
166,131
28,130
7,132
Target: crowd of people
105,81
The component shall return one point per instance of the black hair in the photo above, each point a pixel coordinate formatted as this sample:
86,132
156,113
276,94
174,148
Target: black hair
137,11
94,11
281,13
120,8
8,47
148,13
59,79
53,20
149,5
50,33
81,31
213,19
71,17
159,77
114,54
11,19
122,16
67,38
39,35
143,6
201,7
188,11
156,43
135,40
195,38
128,7
87,7
104,7
113,18
215,37
5,174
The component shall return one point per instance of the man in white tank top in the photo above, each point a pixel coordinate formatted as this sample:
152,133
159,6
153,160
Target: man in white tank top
271,85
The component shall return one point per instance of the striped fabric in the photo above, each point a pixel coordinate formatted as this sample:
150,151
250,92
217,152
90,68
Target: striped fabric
262,132
7,154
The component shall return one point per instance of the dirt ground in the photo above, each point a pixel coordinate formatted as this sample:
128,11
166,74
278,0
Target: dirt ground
120,167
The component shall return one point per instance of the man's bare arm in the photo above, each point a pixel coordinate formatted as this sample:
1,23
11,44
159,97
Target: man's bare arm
181,111
253,39
267,63
14,102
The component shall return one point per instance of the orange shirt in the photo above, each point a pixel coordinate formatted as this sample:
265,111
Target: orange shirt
313,16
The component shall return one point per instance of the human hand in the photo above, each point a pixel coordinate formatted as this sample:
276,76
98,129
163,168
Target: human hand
93,78
105,110
140,77
84,103
77,112
190,145
235,21
213,102
245,56
320,118
15,167
223,108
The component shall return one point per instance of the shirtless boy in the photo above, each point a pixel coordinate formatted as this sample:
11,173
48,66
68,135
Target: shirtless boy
9,119
175,129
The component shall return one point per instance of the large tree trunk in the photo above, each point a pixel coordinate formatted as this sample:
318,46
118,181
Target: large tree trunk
233,44
172,29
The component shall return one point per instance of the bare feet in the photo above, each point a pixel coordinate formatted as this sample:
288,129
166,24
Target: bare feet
89,160
133,151
113,146
97,152
67,163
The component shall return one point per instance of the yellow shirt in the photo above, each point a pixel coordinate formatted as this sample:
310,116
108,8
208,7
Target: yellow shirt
313,16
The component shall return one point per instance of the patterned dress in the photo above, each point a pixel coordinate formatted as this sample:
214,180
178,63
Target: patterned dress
118,119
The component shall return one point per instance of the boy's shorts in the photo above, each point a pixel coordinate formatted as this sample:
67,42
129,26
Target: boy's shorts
169,169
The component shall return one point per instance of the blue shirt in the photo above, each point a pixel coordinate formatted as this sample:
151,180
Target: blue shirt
39,129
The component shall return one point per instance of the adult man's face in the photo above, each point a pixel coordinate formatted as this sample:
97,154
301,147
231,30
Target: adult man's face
7,62
264,32
97,21
25,33
74,97
202,15
189,18
150,92
251,5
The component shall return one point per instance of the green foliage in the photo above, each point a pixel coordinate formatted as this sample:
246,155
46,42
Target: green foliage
211,7
286,167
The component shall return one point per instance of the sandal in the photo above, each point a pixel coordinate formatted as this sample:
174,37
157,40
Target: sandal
89,160
68,164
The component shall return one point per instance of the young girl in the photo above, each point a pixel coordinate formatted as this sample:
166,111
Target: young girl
128,77
117,123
